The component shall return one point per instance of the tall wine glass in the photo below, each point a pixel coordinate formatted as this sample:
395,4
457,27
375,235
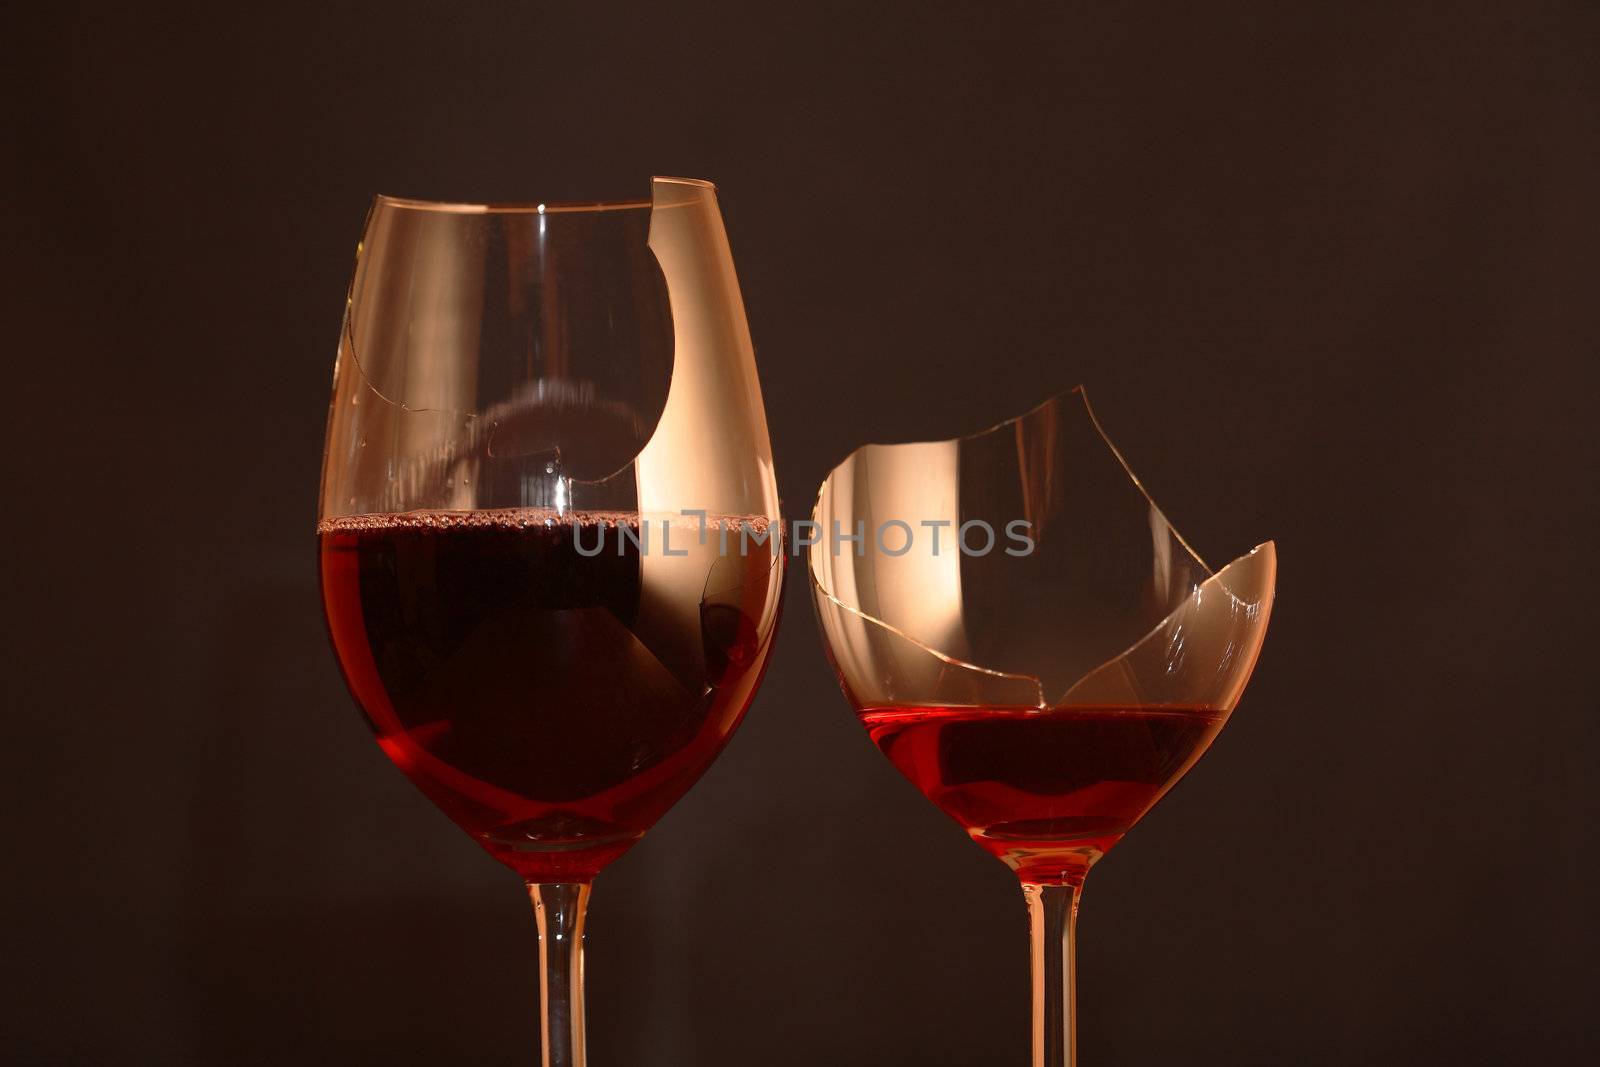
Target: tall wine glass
1026,638
549,532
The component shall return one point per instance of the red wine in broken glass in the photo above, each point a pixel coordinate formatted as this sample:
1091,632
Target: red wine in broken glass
552,702
1048,791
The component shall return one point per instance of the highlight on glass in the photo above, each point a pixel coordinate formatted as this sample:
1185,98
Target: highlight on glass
522,393
1044,692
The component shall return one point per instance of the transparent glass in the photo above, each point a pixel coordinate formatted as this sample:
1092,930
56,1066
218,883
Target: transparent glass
1032,644
549,537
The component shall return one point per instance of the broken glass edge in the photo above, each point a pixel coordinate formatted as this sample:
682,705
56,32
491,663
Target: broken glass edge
1007,425
1270,548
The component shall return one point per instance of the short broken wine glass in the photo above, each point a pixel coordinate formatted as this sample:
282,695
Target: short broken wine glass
1031,643
549,532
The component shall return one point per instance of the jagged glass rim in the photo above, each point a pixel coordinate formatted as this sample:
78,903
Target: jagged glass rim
1213,577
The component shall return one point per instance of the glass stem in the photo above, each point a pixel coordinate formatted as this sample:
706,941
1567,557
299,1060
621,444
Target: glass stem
1053,921
559,908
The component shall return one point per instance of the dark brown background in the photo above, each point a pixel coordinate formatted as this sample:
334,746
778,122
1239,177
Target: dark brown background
1327,270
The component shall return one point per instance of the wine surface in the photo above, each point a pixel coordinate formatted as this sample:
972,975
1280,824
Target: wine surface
552,703
1047,791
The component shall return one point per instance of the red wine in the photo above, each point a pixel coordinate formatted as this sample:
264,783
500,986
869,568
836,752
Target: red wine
553,703
1047,791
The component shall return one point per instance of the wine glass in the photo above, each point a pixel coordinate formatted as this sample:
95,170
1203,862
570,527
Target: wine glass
549,536
1028,640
